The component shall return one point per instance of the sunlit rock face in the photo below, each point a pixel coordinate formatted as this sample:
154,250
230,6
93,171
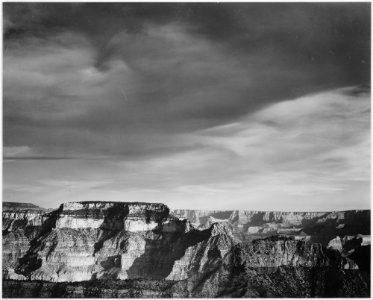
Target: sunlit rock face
111,215
336,244
199,217
18,216
14,220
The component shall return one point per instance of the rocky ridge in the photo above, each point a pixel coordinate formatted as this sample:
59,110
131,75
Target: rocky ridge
312,226
17,206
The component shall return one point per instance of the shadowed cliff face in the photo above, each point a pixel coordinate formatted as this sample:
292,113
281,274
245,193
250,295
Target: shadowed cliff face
101,243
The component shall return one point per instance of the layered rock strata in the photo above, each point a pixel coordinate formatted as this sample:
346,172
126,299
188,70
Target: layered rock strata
98,240
21,224
111,249
265,268
278,268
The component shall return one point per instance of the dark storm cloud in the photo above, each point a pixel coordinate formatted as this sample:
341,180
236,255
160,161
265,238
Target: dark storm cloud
305,32
136,79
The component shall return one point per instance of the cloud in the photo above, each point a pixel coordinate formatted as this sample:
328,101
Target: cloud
309,153
129,83
324,137
18,151
312,147
185,102
22,188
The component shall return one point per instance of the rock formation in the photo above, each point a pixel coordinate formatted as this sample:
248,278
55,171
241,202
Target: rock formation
315,226
278,268
112,249
93,240
22,223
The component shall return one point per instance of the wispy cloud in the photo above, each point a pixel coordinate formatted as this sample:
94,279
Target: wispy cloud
17,151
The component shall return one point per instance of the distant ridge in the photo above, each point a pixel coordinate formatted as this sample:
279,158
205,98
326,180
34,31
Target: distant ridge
17,206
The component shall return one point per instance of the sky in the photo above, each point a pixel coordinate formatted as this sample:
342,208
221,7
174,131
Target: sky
251,106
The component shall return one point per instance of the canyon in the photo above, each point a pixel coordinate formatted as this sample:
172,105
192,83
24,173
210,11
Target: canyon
133,249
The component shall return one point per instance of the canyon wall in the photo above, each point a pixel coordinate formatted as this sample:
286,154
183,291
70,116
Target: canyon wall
82,246
93,240
312,226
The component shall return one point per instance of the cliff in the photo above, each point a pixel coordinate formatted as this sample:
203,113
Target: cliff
21,223
280,268
112,249
93,240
